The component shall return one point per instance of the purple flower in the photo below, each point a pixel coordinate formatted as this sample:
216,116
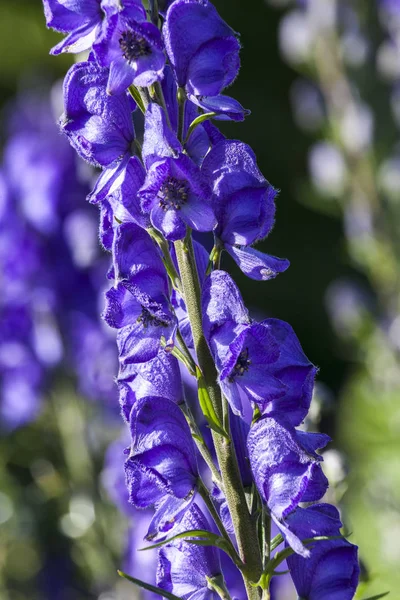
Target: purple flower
113,476
183,568
137,563
95,359
123,204
138,304
82,20
286,469
98,126
159,141
262,360
331,572
227,109
176,195
161,469
133,51
202,48
21,378
158,377
244,203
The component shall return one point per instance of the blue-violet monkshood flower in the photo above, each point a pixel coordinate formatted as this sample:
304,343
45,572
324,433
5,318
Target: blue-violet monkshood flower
244,203
264,361
83,19
138,304
183,568
204,53
161,469
158,377
98,126
286,469
132,49
203,50
122,205
331,572
175,192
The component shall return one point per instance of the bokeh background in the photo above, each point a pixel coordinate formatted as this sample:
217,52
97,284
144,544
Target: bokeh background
322,81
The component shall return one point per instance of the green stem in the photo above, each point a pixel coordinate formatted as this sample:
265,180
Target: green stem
202,446
181,113
205,494
154,12
244,525
186,352
167,259
159,97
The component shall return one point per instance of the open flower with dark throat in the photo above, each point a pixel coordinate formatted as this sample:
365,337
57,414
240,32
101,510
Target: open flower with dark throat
132,49
176,195
138,304
83,20
263,361
175,192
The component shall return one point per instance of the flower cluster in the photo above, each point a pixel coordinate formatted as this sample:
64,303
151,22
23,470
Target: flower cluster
142,108
49,263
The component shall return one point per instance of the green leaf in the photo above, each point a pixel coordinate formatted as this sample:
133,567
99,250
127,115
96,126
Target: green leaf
197,121
137,98
185,534
277,541
207,407
149,587
377,597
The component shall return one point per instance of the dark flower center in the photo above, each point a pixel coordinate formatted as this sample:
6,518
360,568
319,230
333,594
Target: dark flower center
242,365
173,194
146,318
133,46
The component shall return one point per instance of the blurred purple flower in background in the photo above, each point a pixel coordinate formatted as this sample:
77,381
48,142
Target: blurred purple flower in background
51,269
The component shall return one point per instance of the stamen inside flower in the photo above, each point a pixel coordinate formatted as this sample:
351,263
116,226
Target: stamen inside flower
242,365
173,194
133,46
146,318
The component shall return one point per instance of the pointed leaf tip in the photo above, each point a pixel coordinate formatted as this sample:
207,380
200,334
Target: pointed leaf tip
149,587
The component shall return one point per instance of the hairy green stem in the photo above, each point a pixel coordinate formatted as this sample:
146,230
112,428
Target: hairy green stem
181,113
202,446
244,525
167,259
205,494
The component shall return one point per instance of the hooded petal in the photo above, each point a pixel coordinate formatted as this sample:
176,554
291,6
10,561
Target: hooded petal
331,572
68,15
159,141
213,67
284,470
99,127
183,568
79,40
227,109
222,303
162,460
257,265
194,29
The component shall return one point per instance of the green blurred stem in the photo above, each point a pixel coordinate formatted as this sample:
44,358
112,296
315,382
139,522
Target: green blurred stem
382,270
244,526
